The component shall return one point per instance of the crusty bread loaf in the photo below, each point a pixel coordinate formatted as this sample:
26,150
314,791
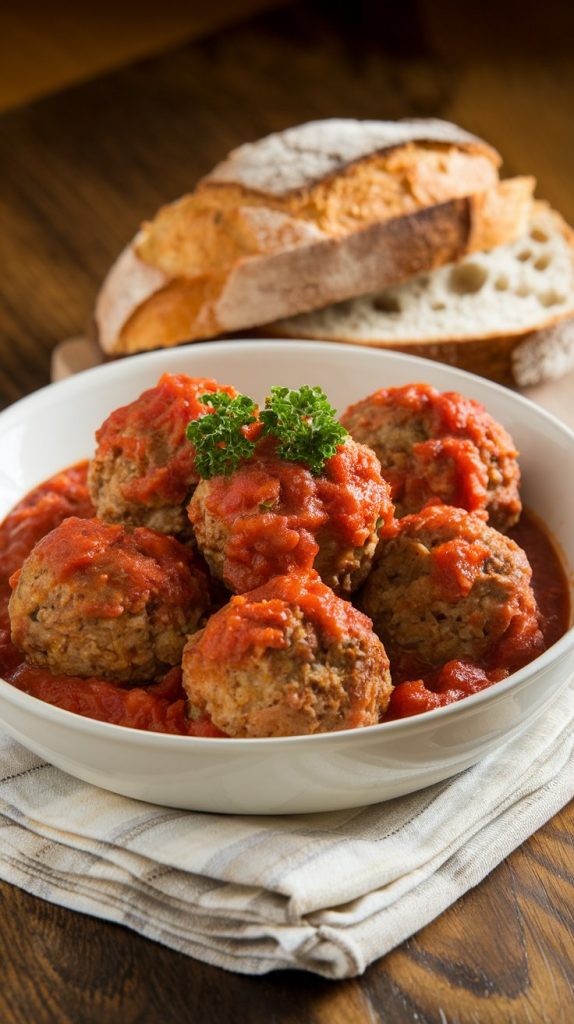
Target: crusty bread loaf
507,314
302,218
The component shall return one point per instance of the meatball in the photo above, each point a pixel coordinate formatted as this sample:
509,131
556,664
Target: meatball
448,587
96,600
287,659
443,447
271,516
143,472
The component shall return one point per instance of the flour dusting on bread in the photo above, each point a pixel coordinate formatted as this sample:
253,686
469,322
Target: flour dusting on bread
303,218
301,156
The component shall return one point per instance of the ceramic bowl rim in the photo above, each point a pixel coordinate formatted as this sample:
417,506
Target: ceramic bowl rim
139,737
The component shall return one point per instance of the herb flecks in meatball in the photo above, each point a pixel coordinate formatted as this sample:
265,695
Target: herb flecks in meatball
93,599
272,516
144,472
289,658
439,447
449,587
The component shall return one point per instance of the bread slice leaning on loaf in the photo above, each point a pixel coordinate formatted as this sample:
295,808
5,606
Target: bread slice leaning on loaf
303,218
507,314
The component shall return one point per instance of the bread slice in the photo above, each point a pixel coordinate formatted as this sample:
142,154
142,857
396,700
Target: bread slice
507,313
305,217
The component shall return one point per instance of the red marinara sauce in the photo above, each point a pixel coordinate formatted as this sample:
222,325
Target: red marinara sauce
115,570
275,512
150,432
453,437
160,706
256,621
44,508
458,679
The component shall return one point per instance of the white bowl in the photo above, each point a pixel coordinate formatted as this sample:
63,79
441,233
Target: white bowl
54,428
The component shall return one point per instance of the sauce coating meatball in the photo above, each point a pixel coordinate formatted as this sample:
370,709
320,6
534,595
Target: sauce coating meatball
287,659
96,600
143,472
443,447
43,509
449,587
271,516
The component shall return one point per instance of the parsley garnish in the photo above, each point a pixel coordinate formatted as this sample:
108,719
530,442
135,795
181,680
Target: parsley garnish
301,421
304,424
219,440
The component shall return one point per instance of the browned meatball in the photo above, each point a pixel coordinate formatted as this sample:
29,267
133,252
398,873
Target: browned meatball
143,472
287,659
443,447
95,600
449,587
271,516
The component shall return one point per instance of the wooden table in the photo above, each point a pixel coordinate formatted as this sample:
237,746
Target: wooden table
79,171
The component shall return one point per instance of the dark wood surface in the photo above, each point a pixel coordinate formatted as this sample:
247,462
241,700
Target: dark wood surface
78,172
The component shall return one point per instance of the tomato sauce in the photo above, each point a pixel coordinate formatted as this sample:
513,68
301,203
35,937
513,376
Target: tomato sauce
257,621
549,580
456,565
455,680
450,468
150,433
453,438
273,511
117,571
158,707
161,706
44,508
458,679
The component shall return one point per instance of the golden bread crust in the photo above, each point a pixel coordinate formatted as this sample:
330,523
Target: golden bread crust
353,207
218,224
260,289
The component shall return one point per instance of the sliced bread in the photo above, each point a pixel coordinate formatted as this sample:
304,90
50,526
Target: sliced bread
507,313
305,217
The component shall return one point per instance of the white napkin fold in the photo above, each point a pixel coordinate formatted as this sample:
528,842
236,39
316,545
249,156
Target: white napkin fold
327,893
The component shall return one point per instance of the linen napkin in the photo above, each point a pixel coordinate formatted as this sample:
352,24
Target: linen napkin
327,893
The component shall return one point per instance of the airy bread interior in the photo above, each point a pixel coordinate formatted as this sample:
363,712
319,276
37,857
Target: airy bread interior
508,290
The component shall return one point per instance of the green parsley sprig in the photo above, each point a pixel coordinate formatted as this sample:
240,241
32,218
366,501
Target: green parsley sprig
304,424
219,438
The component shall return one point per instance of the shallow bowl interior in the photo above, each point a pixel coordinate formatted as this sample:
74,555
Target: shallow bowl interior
54,428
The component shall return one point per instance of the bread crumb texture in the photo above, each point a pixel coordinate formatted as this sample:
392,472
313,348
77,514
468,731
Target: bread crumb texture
504,291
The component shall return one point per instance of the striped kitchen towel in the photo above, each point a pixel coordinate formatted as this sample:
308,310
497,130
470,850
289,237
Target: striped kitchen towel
327,893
